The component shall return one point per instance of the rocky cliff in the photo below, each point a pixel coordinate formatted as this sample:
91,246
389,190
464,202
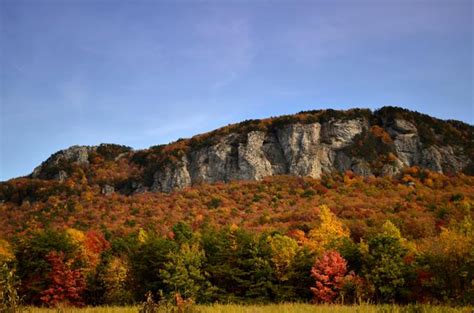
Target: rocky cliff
309,143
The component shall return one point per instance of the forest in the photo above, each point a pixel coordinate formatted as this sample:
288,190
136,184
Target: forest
339,239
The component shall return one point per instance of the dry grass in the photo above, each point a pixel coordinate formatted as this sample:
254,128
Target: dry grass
277,308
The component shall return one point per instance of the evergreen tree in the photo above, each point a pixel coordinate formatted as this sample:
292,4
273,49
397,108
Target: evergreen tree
183,273
384,267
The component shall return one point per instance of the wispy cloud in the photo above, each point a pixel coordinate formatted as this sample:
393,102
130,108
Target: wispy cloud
225,45
75,95
352,27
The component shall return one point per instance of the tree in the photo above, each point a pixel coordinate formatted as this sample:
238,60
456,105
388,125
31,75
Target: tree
33,264
330,273
283,253
239,265
146,262
384,267
449,264
182,233
223,263
390,230
329,231
6,254
183,273
114,278
65,283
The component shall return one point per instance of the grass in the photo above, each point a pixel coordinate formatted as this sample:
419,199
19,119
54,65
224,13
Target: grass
277,308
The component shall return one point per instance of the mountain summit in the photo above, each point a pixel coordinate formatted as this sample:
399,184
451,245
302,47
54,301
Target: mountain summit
310,143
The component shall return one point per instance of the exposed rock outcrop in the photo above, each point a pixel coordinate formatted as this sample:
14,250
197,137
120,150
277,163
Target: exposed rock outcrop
53,167
308,144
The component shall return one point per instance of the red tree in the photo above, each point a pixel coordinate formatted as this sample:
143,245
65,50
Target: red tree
66,284
329,271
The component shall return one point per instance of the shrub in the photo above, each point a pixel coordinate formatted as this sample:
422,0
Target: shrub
9,299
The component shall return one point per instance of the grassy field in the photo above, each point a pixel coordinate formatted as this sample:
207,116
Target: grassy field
277,308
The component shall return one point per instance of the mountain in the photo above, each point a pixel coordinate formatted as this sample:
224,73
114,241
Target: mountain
310,143
253,208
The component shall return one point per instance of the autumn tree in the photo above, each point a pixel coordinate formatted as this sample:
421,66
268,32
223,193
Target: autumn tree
33,266
330,273
114,278
328,232
6,254
283,253
449,262
66,284
10,302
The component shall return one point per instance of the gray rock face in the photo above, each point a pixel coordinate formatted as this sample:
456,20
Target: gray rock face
107,190
298,149
61,176
301,149
252,162
339,134
172,177
74,154
442,159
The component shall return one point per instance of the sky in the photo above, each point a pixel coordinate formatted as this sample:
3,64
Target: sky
142,73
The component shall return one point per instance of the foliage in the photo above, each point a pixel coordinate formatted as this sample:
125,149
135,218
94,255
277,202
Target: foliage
32,255
449,264
328,232
65,283
114,277
6,254
384,267
9,299
330,273
404,242
283,253
146,261
183,273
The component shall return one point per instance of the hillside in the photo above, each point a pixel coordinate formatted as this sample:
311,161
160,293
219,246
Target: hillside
85,186
419,203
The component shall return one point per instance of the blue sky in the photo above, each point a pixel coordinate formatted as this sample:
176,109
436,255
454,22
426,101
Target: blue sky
142,73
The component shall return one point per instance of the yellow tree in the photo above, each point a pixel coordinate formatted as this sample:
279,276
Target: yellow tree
283,252
450,261
389,229
114,278
328,232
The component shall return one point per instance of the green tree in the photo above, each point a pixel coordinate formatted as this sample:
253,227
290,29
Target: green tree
182,233
384,267
183,273
239,265
146,261
223,263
